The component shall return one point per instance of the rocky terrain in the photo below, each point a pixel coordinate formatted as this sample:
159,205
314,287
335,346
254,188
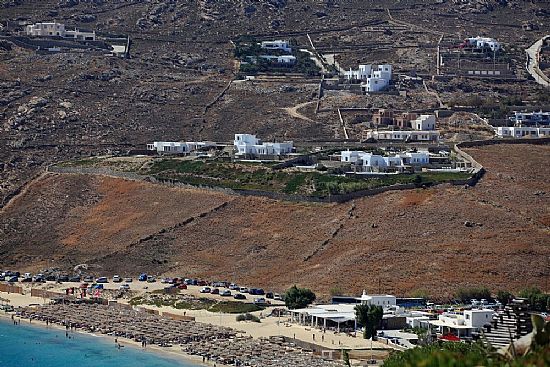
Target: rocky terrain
57,106
433,240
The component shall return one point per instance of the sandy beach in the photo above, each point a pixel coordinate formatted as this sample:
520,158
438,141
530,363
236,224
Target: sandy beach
268,327
174,351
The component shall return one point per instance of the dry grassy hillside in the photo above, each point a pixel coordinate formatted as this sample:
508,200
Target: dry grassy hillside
404,241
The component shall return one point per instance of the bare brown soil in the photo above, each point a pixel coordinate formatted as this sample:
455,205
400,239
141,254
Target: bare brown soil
403,241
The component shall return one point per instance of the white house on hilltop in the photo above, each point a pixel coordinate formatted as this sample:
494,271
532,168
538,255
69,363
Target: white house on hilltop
247,144
523,132
178,147
483,42
369,162
54,29
404,135
375,78
424,123
277,45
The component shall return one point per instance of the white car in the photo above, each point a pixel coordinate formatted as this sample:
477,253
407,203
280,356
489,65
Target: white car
117,279
124,287
205,290
243,290
128,280
277,297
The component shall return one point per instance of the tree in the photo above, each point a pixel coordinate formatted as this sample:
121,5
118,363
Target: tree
370,318
504,297
298,297
362,317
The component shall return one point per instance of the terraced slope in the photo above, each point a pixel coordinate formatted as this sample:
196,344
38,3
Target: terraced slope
403,241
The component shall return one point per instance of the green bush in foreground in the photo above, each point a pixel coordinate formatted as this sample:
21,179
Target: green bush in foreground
247,317
450,354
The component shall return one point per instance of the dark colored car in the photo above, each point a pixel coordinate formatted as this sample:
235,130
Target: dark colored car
89,279
239,296
26,280
12,279
269,295
215,291
63,278
75,279
182,286
50,278
2,278
142,277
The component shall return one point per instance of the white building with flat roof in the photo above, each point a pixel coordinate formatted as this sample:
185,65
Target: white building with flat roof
178,147
484,43
523,132
462,325
404,135
283,60
531,119
424,123
277,45
54,29
384,300
375,78
247,144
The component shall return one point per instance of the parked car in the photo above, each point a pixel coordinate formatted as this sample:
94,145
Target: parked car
151,279
269,295
202,283
63,278
27,275
88,279
2,277
256,291
39,278
26,280
117,279
259,301
142,277
51,278
128,280
102,280
205,290
277,297
243,290
239,296
215,291
124,287
182,286
233,287
97,286
12,279
75,279
225,293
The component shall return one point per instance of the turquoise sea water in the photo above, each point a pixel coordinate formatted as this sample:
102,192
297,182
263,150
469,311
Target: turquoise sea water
27,345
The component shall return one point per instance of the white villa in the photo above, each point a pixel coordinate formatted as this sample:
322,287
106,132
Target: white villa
277,45
384,300
375,77
523,132
484,42
424,123
247,144
283,60
53,29
462,325
369,162
530,118
404,135
178,147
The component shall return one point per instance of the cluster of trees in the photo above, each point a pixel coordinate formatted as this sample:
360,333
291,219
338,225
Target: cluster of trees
298,297
370,317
